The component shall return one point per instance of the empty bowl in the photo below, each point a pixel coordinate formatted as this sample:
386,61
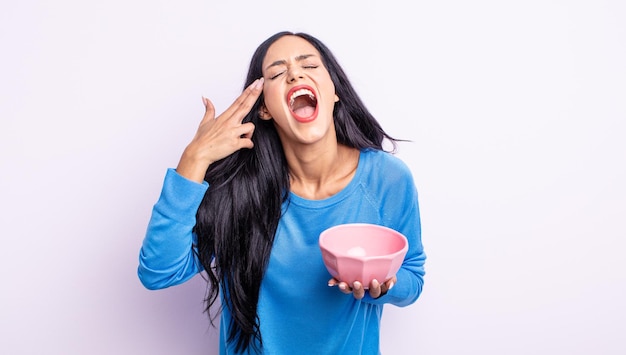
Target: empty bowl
362,252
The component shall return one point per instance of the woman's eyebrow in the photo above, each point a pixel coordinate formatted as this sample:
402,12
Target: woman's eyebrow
284,62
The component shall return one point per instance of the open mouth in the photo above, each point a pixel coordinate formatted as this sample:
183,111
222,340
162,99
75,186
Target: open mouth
302,103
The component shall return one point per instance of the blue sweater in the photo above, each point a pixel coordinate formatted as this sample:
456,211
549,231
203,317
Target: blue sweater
298,312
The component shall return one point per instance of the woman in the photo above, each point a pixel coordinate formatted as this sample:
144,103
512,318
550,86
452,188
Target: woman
295,154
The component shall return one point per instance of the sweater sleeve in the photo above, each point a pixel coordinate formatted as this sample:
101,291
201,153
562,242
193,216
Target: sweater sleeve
401,212
167,255
410,277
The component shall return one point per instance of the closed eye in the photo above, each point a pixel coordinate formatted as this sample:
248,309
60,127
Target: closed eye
277,75
282,72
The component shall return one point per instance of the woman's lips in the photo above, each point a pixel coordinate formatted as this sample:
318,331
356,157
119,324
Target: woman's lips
302,103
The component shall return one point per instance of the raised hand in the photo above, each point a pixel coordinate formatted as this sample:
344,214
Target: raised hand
217,138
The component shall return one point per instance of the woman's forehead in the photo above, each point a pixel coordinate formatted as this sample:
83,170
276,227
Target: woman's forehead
289,48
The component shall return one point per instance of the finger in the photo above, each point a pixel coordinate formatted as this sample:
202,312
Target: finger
243,104
385,287
245,139
209,113
345,288
246,100
247,130
391,282
375,289
358,290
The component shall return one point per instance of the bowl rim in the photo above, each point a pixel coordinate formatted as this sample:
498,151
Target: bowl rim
404,249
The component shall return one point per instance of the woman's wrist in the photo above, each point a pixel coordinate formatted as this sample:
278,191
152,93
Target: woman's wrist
190,168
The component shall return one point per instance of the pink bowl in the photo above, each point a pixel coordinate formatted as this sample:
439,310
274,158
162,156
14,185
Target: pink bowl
362,252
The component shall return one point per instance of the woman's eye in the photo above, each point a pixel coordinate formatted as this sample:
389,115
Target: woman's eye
276,75
310,66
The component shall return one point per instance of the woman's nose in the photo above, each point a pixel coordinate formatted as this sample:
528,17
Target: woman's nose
294,74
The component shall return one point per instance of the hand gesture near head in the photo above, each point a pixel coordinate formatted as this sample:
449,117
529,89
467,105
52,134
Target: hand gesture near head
219,137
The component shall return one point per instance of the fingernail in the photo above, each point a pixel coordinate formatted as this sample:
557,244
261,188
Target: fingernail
259,83
390,285
342,286
357,285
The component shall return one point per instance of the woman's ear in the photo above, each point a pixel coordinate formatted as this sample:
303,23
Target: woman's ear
264,113
336,98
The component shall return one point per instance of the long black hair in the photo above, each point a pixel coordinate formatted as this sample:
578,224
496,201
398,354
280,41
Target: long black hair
239,215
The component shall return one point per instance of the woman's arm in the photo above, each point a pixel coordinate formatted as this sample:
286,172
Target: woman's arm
167,257
401,209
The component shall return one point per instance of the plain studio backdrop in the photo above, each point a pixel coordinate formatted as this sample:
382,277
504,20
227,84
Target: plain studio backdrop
516,111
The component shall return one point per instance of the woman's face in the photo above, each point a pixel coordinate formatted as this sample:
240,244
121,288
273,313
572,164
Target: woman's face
299,93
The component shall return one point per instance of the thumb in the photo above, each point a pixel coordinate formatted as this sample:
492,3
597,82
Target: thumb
209,113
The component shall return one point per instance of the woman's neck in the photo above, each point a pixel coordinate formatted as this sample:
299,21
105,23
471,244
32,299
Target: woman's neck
322,171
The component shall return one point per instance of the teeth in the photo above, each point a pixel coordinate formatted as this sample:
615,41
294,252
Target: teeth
300,93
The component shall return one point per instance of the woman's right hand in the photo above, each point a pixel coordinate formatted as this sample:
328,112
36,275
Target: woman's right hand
219,137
